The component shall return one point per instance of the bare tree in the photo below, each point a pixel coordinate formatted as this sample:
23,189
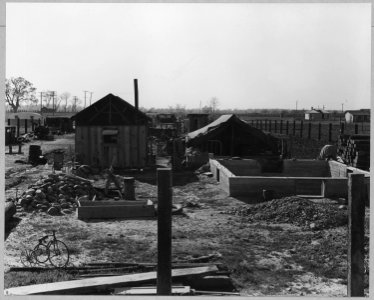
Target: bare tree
65,96
19,91
214,103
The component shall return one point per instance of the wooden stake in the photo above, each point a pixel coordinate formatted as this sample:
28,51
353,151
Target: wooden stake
129,193
164,210
356,218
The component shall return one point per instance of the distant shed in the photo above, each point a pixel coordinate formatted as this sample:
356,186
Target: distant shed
353,116
111,131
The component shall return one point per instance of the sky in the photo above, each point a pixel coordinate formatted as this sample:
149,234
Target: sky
246,55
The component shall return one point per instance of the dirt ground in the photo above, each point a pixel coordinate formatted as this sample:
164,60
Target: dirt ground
264,258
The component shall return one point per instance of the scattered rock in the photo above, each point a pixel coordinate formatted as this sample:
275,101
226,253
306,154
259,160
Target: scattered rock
53,211
295,210
66,211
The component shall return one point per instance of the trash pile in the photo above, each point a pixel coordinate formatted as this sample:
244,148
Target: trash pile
57,194
295,210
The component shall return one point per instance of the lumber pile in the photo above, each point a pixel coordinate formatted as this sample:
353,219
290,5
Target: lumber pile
355,150
131,278
89,286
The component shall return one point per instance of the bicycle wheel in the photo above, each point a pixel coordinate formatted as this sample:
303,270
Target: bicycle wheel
27,258
58,254
41,253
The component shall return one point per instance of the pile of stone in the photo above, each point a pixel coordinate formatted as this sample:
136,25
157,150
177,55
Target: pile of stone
57,194
295,210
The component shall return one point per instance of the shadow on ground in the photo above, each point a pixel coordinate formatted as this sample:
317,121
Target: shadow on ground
13,222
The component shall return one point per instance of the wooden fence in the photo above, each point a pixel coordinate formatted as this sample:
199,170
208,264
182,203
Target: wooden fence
320,131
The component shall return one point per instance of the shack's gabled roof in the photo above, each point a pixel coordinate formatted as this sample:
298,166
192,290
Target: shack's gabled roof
110,110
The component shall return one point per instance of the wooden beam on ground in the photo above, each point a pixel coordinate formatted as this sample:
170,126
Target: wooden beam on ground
356,234
89,286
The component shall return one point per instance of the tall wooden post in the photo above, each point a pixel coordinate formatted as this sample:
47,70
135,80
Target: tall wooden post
356,128
164,210
319,131
269,125
281,127
309,130
25,125
356,219
275,126
287,127
341,128
8,122
294,127
330,132
301,128
18,126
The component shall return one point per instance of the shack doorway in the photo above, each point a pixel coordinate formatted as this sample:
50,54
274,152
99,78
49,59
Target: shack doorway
110,146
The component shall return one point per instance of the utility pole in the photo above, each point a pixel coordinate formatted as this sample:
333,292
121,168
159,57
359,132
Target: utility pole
41,101
91,97
53,102
85,98
75,98
342,107
85,93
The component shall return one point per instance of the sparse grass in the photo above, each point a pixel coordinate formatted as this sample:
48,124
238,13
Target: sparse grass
13,279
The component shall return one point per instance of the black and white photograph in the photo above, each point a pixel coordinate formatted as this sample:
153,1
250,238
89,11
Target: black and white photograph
200,149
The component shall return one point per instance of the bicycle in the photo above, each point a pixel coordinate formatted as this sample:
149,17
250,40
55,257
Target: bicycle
54,250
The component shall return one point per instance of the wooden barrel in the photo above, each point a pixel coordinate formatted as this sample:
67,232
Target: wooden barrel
34,153
10,210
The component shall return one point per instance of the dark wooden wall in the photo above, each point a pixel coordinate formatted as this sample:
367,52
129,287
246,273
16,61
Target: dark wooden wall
130,151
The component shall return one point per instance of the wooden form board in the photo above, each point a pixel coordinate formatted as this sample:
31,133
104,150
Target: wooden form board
116,211
75,287
130,151
115,203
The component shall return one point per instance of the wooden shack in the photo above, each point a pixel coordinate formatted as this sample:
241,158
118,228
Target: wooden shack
111,132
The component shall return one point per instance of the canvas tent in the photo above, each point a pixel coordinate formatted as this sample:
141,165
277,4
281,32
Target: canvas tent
230,136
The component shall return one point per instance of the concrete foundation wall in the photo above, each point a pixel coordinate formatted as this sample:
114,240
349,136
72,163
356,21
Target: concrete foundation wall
221,174
335,187
305,168
253,186
246,167
337,169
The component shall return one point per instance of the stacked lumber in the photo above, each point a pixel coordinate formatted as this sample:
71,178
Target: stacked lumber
132,278
355,150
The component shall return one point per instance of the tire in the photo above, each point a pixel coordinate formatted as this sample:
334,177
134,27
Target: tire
27,258
41,253
58,254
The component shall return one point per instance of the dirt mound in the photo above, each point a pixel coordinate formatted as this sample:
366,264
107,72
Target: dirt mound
296,210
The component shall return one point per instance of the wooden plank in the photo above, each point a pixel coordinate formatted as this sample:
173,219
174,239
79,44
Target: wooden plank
127,140
142,146
356,235
74,287
113,211
133,146
115,203
151,290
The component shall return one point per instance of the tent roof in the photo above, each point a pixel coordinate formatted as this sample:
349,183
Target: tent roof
110,110
207,132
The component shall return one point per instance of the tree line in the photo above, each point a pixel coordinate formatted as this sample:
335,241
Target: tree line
21,94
